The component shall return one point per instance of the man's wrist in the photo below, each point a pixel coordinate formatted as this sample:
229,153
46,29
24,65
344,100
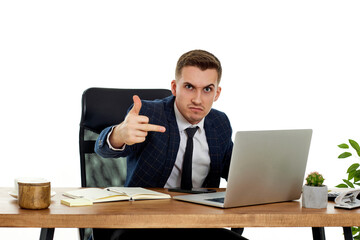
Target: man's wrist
122,148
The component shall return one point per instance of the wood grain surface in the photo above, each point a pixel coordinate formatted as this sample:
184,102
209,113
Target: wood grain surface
169,213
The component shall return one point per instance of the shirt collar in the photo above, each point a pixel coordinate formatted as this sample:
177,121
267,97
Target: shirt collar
183,123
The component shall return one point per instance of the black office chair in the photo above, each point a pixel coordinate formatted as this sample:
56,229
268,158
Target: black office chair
103,107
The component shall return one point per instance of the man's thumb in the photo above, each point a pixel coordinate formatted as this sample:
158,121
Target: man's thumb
137,105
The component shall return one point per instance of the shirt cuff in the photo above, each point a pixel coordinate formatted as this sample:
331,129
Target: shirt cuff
108,142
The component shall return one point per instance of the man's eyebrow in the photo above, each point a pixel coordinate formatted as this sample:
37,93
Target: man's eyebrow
187,83
210,85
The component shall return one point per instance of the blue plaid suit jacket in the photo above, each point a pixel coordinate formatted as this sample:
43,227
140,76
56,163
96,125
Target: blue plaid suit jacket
149,164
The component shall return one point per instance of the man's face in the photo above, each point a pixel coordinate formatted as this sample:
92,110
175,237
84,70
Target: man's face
195,92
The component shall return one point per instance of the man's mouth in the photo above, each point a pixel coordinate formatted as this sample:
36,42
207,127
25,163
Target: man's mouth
196,109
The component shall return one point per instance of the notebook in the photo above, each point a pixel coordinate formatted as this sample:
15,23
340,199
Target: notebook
266,167
97,195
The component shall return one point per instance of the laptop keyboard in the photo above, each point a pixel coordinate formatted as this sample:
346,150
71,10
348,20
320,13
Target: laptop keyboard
219,200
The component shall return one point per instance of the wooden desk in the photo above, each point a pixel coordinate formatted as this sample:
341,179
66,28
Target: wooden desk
169,213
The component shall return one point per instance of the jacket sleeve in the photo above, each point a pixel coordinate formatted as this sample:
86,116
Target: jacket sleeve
102,148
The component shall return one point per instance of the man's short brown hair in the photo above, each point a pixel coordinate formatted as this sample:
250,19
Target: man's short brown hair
198,58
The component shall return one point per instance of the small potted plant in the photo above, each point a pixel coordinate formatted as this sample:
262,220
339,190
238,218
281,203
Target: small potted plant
315,194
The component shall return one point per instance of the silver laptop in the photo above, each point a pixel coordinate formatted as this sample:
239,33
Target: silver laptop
266,167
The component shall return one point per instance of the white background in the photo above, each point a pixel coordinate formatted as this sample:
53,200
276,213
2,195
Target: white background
287,64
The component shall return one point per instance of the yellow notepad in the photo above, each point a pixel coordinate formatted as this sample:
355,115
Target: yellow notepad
76,202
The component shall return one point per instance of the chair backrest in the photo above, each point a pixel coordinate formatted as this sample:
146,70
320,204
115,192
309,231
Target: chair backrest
103,107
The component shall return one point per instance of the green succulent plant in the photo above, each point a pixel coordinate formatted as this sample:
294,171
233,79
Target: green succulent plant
314,179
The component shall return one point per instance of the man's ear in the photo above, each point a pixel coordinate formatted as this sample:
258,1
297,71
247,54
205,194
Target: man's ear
217,94
173,87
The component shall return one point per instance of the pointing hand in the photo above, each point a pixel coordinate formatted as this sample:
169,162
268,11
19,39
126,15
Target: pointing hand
134,128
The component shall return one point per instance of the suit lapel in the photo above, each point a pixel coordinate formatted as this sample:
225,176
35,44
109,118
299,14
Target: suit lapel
214,150
173,140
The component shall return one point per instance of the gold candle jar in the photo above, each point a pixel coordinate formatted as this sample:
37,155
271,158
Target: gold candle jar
34,195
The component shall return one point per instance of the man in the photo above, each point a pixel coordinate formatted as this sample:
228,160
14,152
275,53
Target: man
154,134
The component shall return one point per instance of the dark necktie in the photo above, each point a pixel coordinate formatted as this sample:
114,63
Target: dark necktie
186,176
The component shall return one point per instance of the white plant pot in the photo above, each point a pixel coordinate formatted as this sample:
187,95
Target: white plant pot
314,197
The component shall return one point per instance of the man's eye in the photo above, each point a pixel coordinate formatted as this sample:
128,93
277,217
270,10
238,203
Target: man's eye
188,86
207,89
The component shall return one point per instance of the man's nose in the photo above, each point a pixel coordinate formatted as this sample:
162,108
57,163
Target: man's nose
197,97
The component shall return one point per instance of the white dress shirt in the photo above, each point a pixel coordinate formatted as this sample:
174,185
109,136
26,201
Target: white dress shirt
201,157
